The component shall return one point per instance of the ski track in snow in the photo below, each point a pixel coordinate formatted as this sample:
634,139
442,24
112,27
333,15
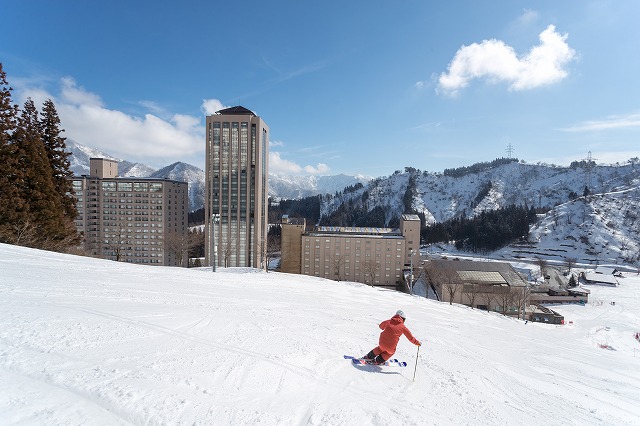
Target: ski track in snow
96,342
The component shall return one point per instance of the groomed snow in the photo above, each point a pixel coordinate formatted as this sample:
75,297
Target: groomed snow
87,341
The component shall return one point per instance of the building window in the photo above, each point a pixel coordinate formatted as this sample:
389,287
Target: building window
108,186
140,186
125,186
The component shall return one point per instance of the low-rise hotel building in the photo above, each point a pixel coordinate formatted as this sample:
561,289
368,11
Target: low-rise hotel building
375,256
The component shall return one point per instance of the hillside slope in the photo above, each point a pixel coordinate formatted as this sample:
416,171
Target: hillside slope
88,341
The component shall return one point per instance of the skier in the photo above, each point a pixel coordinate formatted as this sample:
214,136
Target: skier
392,329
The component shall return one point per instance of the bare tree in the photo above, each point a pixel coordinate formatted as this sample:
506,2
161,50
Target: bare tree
269,250
471,291
488,297
227,249
370,267
197,249
520,298
179,245
451,288
505,299
338,263
542,264
570,263
117,238
446,281
569,216
24,233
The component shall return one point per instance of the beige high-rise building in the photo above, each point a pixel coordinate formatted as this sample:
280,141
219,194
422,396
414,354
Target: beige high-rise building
375,256
136,220
236,192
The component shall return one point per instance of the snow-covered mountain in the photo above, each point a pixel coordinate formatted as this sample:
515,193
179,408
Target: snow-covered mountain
280,186
186,173
90,341
295,187
594,229
600,226
80,156
442,197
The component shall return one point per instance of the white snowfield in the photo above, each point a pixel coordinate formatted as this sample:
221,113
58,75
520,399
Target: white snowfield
87,341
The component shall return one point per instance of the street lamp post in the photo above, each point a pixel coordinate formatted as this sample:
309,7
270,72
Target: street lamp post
215,218
411,272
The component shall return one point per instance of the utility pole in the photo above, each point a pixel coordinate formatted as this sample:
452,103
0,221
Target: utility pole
215,219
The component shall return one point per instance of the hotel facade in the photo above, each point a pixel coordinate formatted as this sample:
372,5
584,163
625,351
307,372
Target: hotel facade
374,256
136,220
236,188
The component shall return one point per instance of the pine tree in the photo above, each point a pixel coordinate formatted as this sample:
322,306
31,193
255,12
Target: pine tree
43,223
55,146
10,200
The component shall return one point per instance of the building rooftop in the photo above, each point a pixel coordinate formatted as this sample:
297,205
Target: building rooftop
600,278
236,110
495,273
355,230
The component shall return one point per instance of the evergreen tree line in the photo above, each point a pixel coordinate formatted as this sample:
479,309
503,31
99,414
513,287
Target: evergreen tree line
487,231
37,207
308,208
478,167
349,214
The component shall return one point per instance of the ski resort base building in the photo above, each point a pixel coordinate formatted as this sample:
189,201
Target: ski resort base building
492,286
136,220
374,256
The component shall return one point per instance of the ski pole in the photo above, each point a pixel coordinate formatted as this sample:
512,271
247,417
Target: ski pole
416,367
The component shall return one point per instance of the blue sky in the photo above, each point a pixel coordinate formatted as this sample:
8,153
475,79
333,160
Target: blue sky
345,87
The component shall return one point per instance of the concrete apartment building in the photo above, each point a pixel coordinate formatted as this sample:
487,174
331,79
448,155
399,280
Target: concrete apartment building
376,256
136,220
236,191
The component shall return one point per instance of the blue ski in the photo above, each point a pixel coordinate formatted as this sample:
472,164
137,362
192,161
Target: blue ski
390,363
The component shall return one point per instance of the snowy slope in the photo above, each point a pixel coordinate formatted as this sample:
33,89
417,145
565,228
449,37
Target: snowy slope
88,341
597,229
442,197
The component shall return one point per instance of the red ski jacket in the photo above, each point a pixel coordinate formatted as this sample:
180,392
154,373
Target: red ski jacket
392,329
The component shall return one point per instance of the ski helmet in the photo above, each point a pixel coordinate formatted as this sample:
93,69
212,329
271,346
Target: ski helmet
401,313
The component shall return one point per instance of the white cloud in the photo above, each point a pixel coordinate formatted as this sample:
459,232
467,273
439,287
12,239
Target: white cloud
278,165
527,18
495,61
210,106
146,138
611,122
72,94
155,138
319,169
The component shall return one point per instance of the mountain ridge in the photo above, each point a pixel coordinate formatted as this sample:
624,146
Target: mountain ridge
280,186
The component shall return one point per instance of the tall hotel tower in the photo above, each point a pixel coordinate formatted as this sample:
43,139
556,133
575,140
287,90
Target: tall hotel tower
236,197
